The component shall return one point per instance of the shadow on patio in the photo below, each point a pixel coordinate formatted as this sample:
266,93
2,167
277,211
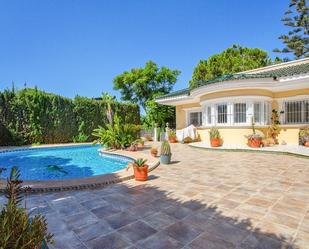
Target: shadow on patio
145,217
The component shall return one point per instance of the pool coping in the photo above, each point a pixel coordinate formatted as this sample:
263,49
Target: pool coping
82,183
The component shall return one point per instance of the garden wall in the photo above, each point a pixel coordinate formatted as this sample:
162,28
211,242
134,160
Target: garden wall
32,116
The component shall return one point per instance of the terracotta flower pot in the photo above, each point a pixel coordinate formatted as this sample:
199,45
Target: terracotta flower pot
254,143
172,140
307,144
215,142
141,173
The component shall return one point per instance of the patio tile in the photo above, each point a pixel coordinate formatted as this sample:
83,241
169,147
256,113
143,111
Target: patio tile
142,210
105,211
193,205
95,203
79,220
137,231
227,204
69,209
92,231
183,232
159,241
233,234
159,220
268,227
67,240
207,241
199,219
283,219
177,212
261,202
112,240
120,219
258,241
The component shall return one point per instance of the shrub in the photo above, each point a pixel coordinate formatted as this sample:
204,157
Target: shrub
17,229
117,135
32,116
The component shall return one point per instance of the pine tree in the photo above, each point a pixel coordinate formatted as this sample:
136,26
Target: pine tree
297,40
232,60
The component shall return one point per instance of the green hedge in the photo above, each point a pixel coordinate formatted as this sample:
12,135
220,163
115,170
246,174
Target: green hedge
32,116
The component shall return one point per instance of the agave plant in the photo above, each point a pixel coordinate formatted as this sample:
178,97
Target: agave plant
140,162
214,133
17,229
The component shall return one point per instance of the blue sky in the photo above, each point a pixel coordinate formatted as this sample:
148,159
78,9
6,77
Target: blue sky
77,47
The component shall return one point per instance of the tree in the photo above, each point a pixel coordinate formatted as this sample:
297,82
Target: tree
140,85
297,40
159,114
232,60
109,100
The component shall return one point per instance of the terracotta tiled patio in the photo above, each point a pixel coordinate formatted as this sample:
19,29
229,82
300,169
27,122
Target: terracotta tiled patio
205,199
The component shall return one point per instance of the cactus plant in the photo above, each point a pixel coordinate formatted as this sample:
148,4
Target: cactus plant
165,148
166,154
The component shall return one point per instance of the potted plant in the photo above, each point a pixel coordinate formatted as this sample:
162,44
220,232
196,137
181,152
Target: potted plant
215,139
304,136
154,151
165,157
172,137
140,169
274,129
254,139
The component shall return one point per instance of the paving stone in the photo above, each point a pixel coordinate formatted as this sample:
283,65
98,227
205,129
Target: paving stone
177,212
232,234
142,210
137,231
207,241
66,240
120,219
95,203
113,240
79,220
105,211
257,241
93,230
159,241
160,220
183,232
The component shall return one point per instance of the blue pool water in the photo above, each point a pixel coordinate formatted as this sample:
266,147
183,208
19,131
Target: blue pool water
61,162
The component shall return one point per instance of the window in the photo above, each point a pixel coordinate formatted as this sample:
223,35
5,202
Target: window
195,118
222,113
257,110
208,116
296,112
240,113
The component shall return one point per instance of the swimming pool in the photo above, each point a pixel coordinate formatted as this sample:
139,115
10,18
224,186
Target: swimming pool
58,163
